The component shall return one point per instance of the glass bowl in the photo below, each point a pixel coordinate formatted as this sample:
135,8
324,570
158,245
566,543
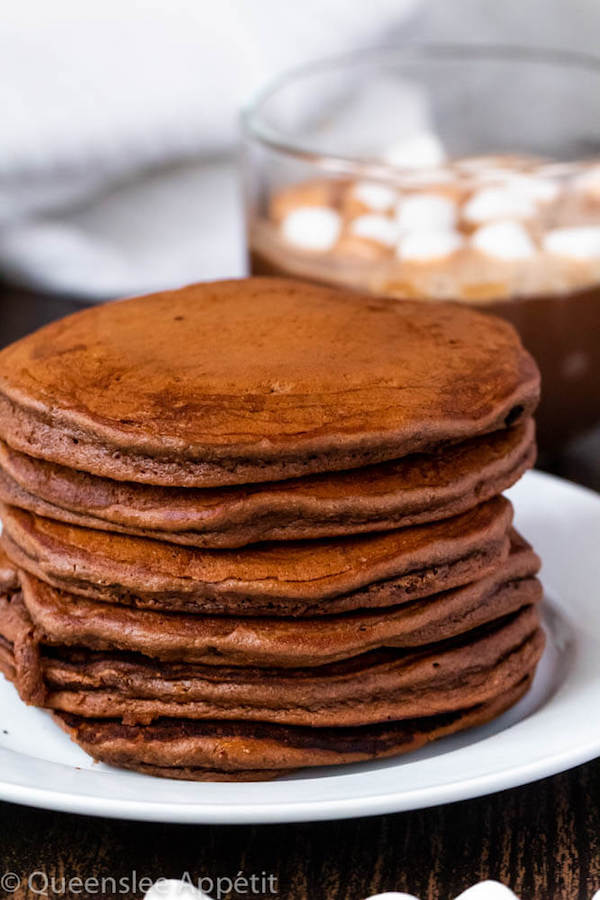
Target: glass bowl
463,173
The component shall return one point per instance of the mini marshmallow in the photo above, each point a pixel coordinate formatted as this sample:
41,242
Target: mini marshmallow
504,240
376,228
419,151
490,175
427,177
474,163
485,890
419,211
174,889
589,182
315,228
374,195
538,189
580,243
489,162
392,895
558,169
498,203
428,245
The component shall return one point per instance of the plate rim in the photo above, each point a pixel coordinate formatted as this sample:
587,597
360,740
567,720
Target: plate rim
84,800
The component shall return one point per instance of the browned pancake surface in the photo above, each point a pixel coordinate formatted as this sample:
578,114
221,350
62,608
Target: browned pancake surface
229,751
374,687
257,380
379,685
64,619
288,578
416,489
471,679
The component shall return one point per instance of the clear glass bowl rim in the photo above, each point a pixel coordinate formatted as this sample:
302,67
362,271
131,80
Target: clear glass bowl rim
256,129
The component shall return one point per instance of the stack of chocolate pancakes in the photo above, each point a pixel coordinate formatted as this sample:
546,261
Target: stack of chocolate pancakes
257,525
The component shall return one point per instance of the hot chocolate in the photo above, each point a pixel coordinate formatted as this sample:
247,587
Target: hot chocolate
515,235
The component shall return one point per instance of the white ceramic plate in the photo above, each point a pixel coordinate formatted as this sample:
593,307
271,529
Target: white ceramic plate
554,727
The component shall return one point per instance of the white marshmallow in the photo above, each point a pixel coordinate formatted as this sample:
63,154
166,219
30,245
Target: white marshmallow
558,169
484,163
174,889
504,240
315,228
376,228
498,203
427,177
419,151
536,188
581,242
425,245
418,211
374,195
392,895
487,890
589,182
491,175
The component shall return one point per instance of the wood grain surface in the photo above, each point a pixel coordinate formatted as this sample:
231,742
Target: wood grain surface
542,840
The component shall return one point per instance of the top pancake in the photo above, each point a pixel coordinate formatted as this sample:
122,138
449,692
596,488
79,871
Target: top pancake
256,380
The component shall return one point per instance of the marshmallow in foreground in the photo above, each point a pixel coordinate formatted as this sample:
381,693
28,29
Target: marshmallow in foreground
419,211
485,890
579,243
504,240
174,889
425,246
374,195
314,228
498,203
392,895
380,229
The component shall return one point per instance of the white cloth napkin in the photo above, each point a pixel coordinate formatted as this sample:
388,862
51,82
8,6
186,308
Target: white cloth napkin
118,124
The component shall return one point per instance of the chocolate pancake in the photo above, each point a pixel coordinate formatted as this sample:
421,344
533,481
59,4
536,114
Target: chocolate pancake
419,488
379,686
470,680
294,578
242,751
65,620
514,646
258,380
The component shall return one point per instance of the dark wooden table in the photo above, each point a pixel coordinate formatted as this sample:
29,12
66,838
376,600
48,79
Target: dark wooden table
542,840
